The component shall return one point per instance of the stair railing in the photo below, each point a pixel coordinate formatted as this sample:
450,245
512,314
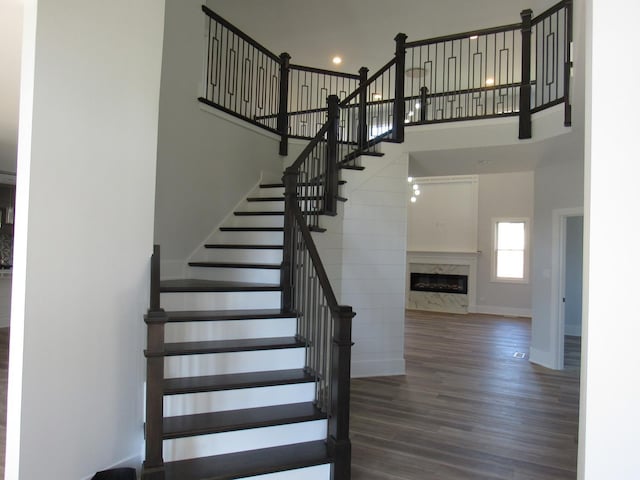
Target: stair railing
510,70
323,324
156,319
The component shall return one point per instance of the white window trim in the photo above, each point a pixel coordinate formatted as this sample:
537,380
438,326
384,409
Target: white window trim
527,249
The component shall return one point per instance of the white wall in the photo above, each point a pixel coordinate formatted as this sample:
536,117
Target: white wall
444,217
84,232
500,196
374,261
207,162
610,394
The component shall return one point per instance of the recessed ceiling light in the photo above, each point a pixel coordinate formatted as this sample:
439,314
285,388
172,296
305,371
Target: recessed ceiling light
415,187
413,199
416,192
490,81
336,60
409,179
415,72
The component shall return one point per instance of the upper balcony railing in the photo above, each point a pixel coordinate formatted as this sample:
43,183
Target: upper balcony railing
510,70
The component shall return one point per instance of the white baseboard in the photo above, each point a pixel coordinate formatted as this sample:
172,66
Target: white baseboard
542,357
377,368
135,461
504,311
573,330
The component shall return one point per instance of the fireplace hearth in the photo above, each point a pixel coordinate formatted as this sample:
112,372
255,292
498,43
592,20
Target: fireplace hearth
439,282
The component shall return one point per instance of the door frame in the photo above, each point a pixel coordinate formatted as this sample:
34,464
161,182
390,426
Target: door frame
558,274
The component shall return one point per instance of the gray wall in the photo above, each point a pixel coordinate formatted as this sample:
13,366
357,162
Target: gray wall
206,162
559,184
501,195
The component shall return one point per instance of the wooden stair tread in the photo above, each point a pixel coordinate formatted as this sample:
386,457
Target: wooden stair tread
238,246
352,167
233,420
253,213
225,346
281,185
266,199
252,229
221,315
249,463
281,199
212,383
199,285
264,266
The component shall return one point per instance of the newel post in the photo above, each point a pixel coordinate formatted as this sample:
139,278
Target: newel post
398,102
339,444
568,64
283,114
524,130
331,179
156,318
362,110
289,180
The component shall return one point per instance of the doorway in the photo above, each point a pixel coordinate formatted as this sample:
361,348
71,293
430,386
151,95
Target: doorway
567,281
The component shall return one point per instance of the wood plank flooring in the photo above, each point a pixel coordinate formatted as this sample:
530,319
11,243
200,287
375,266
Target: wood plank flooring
467,409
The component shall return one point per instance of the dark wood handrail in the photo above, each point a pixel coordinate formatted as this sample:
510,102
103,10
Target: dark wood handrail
550,11
370,80
295,166
462,36
332,302
210,13
323,71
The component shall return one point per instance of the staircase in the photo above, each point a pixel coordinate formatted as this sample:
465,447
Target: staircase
230,393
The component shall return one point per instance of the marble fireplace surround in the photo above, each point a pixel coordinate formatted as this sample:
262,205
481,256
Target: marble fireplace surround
423,261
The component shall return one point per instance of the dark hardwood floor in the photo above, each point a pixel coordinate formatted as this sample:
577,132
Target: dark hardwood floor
467,409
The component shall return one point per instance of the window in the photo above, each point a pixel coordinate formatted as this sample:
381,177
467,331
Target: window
511,250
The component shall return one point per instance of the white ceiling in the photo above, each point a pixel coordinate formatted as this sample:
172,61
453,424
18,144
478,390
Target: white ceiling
10,42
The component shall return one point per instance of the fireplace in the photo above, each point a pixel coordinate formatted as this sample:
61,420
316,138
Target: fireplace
439,282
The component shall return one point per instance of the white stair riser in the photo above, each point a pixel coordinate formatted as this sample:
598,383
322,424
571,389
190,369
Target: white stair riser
254,238
275,206
229,330
270,192
256,221
219,300
233,362
244,255
250,275
319,472
193,403
241,440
